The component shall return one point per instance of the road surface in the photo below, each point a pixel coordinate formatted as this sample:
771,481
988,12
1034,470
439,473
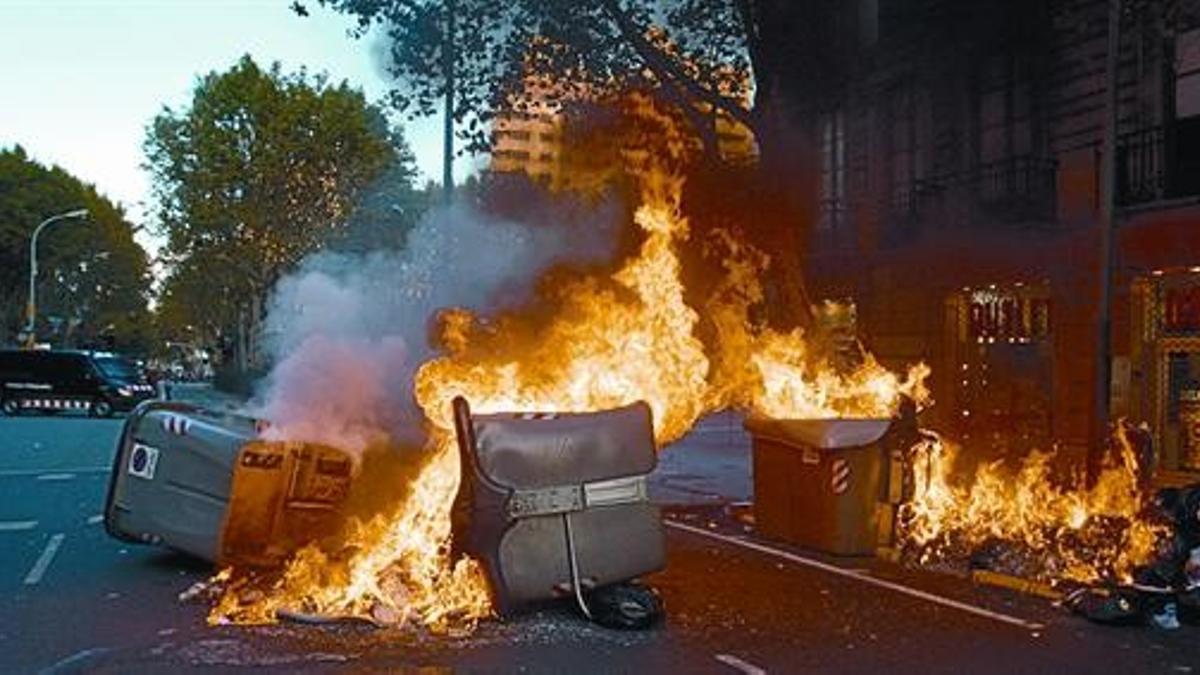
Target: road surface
74,600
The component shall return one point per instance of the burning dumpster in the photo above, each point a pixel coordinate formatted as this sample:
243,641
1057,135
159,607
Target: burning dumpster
817,482
203,483
555,505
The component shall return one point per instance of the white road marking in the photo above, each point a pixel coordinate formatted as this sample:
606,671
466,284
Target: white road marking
738,664
833,569
17,525
76,662
22,473
94,520
56,476
44,560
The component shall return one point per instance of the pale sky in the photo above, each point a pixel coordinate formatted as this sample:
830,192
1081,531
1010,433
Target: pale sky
81,78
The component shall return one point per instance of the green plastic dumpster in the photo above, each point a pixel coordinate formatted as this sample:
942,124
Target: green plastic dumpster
817,483
204,483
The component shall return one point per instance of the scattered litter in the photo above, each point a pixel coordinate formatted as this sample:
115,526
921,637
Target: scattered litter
207,591
1166,592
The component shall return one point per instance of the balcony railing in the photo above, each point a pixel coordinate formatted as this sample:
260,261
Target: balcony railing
1160,162
1022,188
1019,189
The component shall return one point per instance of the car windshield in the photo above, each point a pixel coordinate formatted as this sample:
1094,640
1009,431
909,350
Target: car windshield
116,368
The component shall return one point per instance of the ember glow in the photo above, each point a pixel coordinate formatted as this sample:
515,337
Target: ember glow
612,340
1042,528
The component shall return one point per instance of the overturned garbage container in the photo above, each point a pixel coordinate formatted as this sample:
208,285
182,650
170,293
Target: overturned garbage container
817,482
555,505
202,482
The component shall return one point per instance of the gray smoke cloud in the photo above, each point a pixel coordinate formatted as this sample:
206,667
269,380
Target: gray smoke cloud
346,332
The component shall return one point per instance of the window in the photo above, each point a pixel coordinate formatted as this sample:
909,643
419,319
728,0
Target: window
1004,110
907,142
832,141
1187,74
901,141
868,22
517,155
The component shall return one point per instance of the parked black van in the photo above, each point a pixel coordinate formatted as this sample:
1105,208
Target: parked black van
52,381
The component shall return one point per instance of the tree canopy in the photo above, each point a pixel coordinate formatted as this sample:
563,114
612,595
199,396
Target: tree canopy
93,277
694,51
262,168
758,62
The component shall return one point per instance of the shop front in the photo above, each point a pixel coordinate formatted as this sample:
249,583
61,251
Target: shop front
1165,369
1002,355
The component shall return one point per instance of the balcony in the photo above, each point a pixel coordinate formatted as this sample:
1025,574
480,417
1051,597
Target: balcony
1017,190
1159,163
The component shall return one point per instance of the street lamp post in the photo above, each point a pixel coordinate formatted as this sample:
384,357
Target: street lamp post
31,308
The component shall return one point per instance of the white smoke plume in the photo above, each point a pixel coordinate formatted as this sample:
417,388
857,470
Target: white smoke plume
346,332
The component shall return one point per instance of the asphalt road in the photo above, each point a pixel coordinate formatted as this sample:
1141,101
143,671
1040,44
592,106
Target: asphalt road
73,600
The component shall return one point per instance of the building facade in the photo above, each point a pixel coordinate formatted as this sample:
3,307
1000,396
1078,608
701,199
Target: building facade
530,141
961,168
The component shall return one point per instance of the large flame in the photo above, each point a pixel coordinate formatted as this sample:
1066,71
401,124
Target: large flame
1050,529
398,570
612,340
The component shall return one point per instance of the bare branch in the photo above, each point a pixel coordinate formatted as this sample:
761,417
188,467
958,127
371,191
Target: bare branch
753,39
668,70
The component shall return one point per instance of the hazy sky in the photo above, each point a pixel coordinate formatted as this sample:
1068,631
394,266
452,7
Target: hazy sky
81,78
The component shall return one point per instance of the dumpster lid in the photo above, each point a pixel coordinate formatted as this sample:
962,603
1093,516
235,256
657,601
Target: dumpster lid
534,450
825,433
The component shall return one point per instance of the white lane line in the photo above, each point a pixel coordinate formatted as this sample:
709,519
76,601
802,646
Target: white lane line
17,525
21,473
44,560
77,662
56,476
95,520
874,581
738,664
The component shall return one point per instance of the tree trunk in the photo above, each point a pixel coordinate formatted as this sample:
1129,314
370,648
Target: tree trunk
796,65
255,335
240,345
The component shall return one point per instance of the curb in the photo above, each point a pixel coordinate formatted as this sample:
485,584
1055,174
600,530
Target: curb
1026,586
985,577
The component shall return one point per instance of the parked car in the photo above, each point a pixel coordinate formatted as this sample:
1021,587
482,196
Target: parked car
98,383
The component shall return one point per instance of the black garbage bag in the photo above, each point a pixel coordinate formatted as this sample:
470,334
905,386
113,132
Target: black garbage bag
625,606
1167,589
1189,607
1109,606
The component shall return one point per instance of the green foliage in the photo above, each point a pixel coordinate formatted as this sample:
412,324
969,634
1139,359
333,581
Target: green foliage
260,170
691,50
94,280
387,209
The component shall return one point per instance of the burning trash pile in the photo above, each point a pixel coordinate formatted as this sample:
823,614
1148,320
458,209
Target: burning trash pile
1026,520
588,341
1117,551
